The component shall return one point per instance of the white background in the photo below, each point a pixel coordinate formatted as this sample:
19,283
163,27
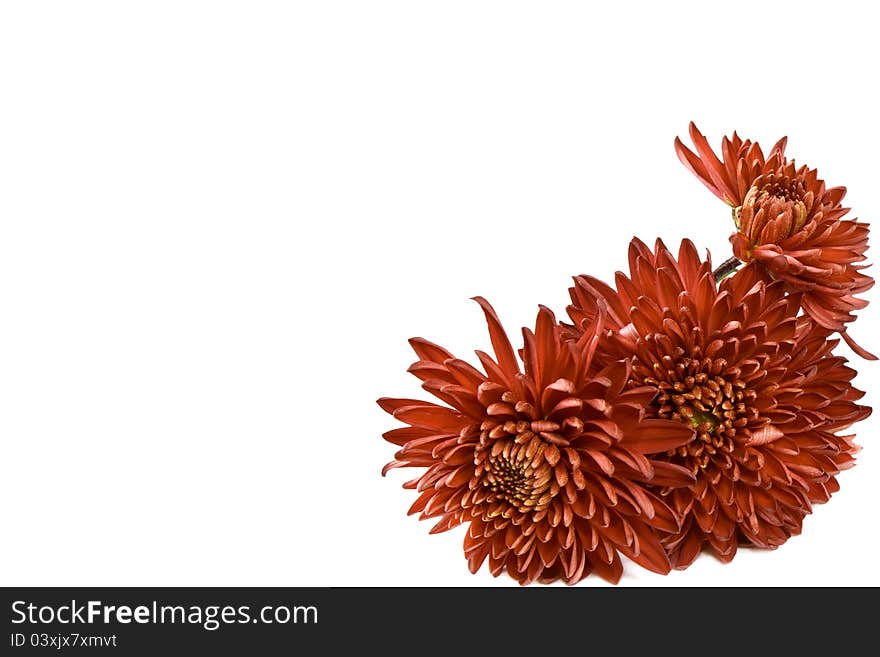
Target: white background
221,221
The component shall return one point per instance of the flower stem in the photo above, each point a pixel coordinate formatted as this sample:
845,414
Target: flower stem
726,268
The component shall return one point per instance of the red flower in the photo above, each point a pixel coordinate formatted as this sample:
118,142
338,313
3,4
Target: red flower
546,465
790,224
759,385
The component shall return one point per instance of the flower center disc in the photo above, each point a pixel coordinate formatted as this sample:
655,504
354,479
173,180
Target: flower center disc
775,207
696,392
513,475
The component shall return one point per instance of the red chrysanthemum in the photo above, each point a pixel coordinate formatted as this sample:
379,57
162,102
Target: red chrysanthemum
758,384
790,224
547,465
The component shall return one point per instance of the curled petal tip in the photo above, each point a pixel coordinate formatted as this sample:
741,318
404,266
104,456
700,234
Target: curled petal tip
856,347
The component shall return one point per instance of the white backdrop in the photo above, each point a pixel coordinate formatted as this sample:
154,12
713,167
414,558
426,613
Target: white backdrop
220,222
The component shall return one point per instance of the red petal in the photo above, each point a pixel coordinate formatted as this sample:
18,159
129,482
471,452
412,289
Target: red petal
766,434
433,417
652,436
500,343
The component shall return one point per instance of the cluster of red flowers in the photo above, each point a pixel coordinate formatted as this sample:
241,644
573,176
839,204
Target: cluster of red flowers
681,410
